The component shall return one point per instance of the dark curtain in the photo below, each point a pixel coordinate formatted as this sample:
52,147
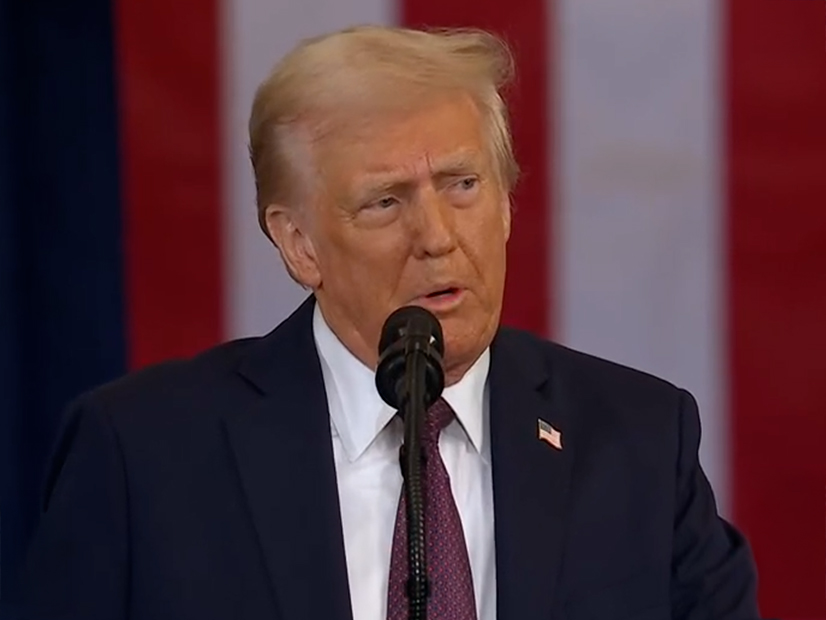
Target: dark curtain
61,306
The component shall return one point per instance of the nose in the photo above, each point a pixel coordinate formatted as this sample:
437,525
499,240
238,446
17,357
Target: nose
434,225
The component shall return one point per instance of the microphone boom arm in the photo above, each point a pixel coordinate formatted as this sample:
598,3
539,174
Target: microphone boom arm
410,378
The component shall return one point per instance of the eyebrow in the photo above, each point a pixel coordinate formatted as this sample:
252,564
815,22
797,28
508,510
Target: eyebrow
456,164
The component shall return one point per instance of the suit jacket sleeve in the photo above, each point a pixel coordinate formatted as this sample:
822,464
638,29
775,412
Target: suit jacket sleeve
713,572
77,564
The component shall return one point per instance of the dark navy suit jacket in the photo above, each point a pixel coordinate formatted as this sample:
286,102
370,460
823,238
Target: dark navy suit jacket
206,490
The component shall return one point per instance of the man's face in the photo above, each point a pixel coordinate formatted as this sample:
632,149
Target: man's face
411,212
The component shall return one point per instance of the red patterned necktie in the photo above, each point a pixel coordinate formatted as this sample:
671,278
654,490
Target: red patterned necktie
448,566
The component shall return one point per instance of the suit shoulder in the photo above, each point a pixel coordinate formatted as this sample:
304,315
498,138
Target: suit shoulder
597,377
178,384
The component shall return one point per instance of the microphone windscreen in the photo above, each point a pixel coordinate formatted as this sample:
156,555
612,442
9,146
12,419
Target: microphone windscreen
411,321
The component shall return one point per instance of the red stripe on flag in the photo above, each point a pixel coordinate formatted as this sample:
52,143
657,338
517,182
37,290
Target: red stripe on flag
169,97
777,241
526,28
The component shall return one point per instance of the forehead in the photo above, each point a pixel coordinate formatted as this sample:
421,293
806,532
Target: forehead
444,133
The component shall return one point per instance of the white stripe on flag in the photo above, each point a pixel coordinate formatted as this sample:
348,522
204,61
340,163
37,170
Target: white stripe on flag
639,218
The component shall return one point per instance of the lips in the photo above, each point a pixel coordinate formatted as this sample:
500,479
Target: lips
441,299
445,292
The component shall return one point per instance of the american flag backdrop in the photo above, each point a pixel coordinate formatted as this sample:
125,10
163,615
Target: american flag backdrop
671,214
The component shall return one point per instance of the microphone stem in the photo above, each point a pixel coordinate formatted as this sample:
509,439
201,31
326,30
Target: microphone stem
412,459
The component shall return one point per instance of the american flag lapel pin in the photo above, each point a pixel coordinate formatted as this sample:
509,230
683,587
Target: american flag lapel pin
549,434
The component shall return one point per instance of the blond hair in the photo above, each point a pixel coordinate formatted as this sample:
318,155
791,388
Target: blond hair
327,81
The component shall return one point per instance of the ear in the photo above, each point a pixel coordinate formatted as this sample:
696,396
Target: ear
287,229
507,215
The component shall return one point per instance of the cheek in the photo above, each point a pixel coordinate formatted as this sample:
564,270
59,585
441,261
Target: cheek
366,259
485,238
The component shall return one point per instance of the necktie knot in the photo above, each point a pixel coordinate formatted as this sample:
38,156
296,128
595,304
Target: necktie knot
437,418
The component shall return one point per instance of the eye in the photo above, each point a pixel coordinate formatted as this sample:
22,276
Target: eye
464,189
386,202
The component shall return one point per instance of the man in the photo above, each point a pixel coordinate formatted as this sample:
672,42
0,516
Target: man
261,479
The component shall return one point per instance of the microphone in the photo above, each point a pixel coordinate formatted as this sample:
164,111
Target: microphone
410,332
410,377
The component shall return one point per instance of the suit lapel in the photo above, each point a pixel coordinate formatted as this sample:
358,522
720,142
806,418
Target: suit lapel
283,451
531,479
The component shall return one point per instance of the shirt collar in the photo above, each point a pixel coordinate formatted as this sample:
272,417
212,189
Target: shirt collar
358,413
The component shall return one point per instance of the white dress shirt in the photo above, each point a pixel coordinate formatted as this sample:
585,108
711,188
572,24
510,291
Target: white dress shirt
366,441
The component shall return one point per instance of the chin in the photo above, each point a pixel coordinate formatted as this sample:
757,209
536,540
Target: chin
461,352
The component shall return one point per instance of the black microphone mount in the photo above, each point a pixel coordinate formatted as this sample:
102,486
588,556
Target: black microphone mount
410,378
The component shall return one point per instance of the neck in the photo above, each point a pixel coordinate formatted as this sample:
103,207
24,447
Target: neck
357,345
455,372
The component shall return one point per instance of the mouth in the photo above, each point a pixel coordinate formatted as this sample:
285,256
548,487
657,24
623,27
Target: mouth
443,293
442,300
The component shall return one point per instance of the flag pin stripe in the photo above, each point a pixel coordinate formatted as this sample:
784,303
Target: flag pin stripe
549,434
